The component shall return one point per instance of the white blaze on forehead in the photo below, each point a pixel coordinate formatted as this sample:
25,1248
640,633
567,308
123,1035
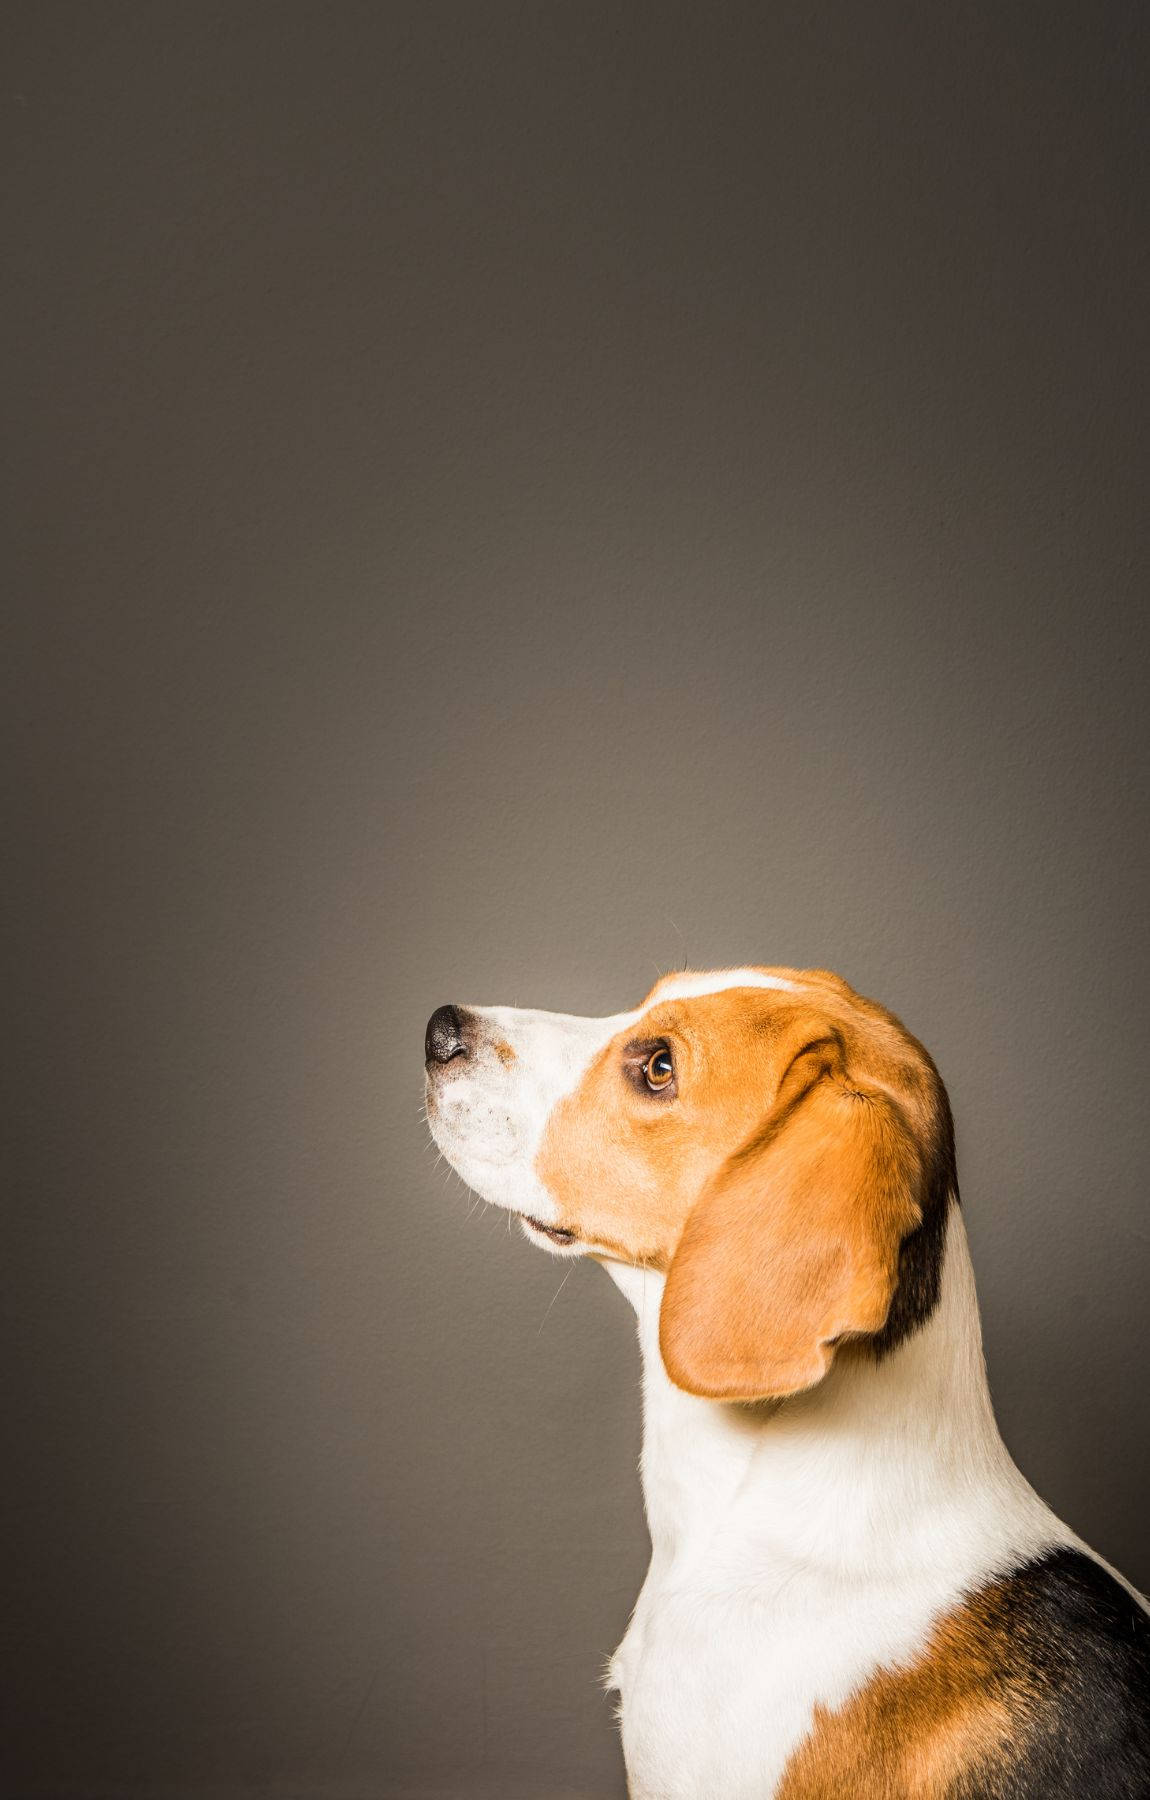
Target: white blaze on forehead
693,987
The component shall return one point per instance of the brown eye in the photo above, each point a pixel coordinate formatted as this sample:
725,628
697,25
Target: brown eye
659,1070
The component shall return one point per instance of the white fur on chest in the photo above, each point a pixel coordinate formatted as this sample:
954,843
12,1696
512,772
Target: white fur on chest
717,1690
797,1550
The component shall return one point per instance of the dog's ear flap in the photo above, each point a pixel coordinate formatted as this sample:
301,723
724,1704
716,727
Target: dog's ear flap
795,1243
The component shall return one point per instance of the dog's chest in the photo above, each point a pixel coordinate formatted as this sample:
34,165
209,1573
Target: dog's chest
718,1681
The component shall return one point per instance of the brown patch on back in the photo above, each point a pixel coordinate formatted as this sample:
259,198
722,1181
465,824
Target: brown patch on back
922,1733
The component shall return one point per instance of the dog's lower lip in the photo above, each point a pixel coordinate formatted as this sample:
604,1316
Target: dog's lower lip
555,1232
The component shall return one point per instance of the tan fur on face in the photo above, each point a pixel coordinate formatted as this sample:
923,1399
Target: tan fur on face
776,1186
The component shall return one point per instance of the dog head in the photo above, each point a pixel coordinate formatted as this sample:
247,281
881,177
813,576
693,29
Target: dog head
780,1147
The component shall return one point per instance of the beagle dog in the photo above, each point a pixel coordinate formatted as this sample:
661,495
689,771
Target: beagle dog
853,1593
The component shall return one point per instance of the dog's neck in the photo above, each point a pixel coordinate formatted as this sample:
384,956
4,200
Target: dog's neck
884,1457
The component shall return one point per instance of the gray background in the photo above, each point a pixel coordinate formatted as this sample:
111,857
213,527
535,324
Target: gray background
506,500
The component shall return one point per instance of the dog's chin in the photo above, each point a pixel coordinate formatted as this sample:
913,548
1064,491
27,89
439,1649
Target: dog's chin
493,1186
501,1183
550,1237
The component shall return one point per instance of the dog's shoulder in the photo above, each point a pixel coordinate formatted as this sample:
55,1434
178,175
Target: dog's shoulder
1034,1686
1068,1647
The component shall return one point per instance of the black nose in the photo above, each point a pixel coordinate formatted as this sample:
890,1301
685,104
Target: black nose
444,1038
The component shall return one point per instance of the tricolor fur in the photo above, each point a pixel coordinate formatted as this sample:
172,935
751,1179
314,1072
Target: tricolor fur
852,1590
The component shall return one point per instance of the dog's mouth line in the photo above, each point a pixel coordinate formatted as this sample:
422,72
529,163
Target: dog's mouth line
556,1233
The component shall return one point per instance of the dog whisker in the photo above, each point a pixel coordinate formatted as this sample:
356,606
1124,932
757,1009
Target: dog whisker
554,1297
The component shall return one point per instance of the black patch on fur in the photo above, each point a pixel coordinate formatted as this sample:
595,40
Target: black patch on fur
920,1255
1081,1648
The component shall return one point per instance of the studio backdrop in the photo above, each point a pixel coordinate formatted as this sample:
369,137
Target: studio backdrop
505,502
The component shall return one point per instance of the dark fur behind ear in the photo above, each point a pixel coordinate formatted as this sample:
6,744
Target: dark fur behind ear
921,1254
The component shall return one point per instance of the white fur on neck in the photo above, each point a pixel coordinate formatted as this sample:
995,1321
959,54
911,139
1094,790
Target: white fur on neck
799,1546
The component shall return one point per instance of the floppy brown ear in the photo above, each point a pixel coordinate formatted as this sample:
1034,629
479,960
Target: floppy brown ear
794,1245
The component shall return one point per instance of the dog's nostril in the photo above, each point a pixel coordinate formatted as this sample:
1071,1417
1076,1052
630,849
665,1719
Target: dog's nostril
444,1039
